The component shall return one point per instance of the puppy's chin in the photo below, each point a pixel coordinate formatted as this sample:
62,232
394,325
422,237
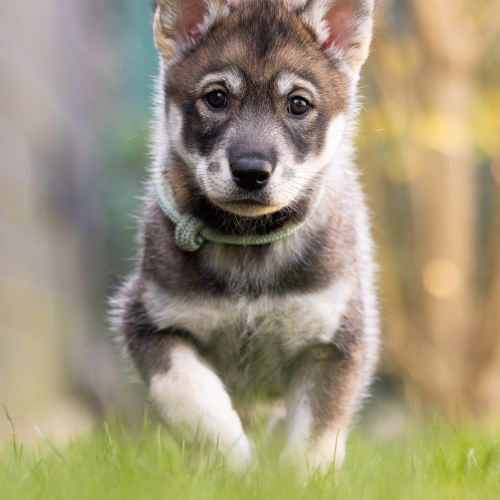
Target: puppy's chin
247,208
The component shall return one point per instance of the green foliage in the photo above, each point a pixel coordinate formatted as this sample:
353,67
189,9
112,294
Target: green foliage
429,461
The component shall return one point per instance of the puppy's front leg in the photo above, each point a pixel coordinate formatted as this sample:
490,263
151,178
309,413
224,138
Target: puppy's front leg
320,401
189,396
184,388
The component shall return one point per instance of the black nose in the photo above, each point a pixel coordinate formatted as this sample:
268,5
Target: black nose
251,173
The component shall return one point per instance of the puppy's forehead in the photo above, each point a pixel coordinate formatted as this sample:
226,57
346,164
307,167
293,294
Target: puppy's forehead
259,48
255,39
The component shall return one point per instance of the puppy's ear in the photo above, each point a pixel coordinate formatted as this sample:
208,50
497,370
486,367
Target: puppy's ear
344,27
179,24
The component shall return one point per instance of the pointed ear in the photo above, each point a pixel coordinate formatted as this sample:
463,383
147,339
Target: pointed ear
344,27
178,24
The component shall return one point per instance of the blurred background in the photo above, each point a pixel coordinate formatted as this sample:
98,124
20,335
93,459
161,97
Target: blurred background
75,98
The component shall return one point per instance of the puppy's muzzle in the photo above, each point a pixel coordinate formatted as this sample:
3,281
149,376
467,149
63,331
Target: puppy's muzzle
251,173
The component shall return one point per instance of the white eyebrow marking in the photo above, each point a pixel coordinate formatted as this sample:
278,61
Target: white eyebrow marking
234,81
287,81
230,77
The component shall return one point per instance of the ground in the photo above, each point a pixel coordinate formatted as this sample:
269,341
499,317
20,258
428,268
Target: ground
431,460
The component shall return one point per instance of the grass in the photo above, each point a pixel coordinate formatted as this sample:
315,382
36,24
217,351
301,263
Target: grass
429,461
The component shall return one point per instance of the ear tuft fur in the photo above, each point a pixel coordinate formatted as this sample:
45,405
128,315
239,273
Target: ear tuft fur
344,27
178,24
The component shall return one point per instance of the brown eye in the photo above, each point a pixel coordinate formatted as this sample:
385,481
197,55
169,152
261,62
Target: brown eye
298,106
216,99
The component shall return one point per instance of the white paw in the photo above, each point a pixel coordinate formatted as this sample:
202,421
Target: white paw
239,455
321,457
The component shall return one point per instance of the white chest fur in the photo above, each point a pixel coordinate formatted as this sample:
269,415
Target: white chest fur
293,321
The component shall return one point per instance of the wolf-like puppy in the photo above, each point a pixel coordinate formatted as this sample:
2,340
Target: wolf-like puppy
274,287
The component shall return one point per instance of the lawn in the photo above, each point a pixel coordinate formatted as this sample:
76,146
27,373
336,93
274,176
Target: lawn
435,460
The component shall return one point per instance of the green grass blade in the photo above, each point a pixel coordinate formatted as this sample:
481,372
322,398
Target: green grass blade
12,429
56,451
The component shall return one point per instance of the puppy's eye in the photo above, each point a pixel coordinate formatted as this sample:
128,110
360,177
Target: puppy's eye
216,99
298,106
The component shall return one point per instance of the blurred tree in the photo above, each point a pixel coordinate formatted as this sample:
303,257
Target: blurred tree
61,66
428,77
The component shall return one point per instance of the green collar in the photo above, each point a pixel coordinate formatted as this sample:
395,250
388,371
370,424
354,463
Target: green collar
191,232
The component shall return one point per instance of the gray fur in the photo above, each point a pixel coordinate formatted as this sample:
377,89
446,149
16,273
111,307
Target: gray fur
297,317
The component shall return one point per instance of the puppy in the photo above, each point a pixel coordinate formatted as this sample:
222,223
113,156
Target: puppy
256,266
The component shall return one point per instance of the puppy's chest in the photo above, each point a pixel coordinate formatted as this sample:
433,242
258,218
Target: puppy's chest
252,337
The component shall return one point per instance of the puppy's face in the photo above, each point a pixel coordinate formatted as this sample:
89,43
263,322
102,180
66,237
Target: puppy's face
255,108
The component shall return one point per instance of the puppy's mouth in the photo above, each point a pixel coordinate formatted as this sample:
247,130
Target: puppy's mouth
246,207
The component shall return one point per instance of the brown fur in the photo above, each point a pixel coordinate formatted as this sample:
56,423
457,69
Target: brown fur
281,348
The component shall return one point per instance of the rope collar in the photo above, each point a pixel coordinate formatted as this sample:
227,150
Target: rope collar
191,232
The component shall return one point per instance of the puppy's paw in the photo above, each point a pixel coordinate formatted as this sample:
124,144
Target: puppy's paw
237,456
320,458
